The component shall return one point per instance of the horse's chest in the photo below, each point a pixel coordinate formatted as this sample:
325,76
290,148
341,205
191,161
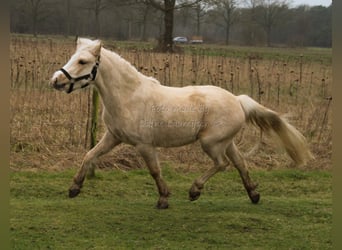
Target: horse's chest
121,128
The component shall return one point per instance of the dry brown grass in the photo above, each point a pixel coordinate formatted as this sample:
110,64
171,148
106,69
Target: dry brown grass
48,128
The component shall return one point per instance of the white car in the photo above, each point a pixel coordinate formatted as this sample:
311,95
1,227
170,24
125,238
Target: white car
180,39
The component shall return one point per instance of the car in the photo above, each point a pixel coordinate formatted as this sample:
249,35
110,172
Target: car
196,41
180,39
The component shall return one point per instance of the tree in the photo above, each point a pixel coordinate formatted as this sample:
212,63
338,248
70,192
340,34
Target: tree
97,6
226,10
144,13
38,11
250,27
320,31
269,13
68,17
200,10
298,26
168,7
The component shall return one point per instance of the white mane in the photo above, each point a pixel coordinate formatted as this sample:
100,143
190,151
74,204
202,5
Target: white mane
127,65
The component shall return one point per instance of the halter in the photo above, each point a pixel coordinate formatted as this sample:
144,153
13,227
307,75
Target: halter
73,80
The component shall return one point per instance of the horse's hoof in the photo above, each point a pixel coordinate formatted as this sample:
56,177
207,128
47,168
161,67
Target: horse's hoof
194,195
162,205
74,192
254,196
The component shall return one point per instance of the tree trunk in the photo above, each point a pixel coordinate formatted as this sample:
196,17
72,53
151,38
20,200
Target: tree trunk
168,20
97,17
34,26
198,24
144,24
268,35
227,33
68,23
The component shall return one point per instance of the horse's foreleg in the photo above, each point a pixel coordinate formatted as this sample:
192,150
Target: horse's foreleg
150,156
239,162
105,145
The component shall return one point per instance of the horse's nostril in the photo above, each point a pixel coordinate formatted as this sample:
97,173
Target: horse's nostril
58,86
53,82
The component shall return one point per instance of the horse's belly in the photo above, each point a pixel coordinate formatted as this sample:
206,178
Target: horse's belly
175,134
174,142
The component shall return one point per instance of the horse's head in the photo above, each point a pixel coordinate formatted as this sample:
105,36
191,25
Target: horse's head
81,69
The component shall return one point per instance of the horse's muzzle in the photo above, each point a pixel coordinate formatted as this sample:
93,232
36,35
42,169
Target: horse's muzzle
59,86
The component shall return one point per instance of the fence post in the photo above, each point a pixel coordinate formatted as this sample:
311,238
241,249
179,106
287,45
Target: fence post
94,118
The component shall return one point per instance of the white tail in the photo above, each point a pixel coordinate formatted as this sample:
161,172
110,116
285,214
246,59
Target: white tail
292,140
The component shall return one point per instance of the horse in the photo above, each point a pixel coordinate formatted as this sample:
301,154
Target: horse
139,111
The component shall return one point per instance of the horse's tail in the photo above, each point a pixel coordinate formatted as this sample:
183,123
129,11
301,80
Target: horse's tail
292,140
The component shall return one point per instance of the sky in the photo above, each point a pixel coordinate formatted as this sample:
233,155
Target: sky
325,3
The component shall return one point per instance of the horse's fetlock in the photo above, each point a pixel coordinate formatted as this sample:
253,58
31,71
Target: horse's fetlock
199,185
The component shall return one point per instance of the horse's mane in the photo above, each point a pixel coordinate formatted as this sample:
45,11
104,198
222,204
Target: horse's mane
128,66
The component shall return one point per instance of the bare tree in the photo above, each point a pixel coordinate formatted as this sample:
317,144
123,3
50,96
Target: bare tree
168,7
269,12
226,10
38,12
144,12
201,11
250,24
97,7
68,17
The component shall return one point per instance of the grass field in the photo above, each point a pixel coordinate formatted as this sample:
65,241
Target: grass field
116,211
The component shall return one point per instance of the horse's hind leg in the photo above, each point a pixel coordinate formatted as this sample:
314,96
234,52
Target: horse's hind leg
217,153
239,162
150,156
105,145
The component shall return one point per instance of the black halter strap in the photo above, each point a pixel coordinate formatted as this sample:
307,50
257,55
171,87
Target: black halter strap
91,76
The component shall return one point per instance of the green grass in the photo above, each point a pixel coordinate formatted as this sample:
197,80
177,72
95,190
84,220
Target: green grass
116,211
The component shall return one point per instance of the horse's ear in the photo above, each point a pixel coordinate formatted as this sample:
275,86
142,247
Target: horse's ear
97,47
79,41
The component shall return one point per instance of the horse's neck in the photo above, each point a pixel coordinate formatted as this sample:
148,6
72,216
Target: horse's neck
118,80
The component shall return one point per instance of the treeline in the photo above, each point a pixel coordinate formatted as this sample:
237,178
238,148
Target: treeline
244,22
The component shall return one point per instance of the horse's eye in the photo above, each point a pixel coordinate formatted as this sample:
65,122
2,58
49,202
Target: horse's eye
82,62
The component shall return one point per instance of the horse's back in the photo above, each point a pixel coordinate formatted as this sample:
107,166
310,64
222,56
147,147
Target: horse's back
214,99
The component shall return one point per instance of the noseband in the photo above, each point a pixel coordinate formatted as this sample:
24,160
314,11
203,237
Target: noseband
73,80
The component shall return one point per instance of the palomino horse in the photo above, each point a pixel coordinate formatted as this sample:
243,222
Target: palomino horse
139,111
